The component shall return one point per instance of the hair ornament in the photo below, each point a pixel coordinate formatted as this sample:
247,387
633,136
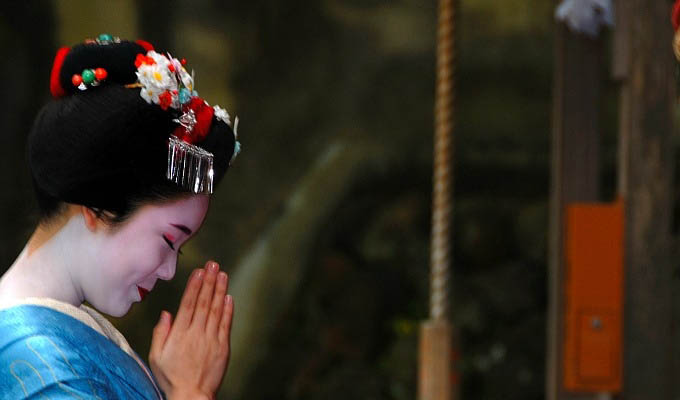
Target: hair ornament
189,166
164,80
104,39
187,121
91,77
222,115
237,150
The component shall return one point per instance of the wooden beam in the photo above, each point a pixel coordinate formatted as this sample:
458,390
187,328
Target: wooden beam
574,174
646,168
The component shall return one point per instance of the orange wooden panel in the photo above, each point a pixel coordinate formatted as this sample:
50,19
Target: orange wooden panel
594,297
596,349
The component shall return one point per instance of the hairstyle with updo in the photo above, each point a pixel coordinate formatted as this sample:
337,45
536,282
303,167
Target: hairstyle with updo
106,148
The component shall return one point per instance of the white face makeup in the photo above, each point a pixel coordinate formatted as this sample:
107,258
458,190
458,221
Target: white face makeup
135,255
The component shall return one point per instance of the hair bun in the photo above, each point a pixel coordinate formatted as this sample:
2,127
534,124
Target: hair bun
117,58
143,135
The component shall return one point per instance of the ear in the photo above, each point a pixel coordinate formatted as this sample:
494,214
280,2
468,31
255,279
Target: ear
91,219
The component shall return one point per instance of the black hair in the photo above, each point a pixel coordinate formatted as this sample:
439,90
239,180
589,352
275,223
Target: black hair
106,147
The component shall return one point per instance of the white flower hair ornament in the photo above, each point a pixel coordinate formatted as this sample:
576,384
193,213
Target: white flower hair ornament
163,80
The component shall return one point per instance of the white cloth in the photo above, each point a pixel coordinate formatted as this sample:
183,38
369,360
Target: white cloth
586,16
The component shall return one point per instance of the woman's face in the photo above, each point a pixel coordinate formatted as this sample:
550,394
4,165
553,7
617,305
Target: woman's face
133,256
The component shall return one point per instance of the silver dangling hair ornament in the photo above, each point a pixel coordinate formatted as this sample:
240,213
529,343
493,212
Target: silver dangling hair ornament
190,166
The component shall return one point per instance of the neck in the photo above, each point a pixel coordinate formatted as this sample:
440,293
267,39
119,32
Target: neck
50,264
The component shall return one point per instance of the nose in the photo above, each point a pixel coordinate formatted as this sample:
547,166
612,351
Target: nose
167,270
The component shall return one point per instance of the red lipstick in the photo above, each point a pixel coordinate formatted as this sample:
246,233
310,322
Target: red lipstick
142,292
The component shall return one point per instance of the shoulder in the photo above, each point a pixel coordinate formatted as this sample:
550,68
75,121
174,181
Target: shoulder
42,350
47,365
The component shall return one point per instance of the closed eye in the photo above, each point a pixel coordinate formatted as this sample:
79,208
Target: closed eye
172,246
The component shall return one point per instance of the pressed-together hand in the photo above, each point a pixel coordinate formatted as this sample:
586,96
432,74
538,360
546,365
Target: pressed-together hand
190,355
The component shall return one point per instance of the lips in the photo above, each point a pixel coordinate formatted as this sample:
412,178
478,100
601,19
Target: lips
142,292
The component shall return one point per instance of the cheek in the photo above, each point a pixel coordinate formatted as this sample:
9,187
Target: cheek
134,260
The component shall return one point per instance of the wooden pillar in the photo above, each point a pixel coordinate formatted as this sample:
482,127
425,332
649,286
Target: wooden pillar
574,175
646,166
435,376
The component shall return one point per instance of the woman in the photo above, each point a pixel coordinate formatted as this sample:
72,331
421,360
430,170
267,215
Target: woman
123,161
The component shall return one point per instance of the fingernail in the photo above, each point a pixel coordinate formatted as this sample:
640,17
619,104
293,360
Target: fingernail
164,316
213,267
229,299
199,275
222,277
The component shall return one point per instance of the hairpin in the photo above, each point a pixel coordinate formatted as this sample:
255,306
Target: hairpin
104,39
92,77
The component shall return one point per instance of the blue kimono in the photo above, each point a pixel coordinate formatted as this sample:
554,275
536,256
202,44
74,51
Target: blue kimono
47,354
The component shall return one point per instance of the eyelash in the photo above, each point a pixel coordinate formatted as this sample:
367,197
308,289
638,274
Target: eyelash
171,245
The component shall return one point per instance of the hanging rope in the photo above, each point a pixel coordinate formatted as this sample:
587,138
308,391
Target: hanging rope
441,202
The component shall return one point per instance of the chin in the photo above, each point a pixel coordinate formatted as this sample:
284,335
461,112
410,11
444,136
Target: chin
115,310
119,313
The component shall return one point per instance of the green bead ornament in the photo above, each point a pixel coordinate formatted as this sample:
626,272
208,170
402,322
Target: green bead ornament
88,76
105,37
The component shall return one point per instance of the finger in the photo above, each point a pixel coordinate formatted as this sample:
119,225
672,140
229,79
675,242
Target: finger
188,303
215,315
205,296
160,334
224,334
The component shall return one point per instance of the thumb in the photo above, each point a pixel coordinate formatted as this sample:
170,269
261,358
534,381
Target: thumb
160,333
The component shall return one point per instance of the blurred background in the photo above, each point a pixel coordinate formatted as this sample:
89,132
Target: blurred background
323,222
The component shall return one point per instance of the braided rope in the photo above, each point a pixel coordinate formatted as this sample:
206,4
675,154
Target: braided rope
441,202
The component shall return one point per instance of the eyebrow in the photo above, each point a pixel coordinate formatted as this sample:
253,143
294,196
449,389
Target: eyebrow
182,228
